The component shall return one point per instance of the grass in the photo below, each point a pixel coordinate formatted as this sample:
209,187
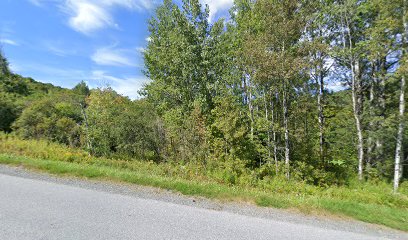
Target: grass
368,202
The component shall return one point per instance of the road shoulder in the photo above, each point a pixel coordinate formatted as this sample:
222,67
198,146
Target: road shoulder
325,222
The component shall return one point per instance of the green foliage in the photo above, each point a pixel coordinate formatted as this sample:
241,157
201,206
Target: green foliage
119,127
55,118
14,84
4,65
370,202
81,89
231,133
239,103
8,113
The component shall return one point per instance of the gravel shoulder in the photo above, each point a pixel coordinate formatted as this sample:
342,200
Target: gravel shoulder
244,209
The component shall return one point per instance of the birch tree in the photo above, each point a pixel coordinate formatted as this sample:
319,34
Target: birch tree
352,21
403,73
275,42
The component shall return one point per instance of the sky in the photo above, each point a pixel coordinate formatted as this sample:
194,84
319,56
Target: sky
98,41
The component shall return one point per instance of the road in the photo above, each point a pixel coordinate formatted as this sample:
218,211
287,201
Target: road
38,209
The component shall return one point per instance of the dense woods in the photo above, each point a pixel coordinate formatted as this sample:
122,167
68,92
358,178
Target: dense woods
310,91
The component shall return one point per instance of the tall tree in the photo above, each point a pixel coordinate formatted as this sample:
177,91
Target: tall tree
274,52
403,73
352,18
319,35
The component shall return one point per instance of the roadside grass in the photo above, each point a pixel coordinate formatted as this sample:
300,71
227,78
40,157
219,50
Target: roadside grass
368,202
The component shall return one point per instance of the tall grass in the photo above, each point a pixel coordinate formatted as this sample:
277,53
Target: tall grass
367,201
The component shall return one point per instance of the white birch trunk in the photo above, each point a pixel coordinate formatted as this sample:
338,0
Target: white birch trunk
320,96
275,149
286,130
356,88
357,105
400,135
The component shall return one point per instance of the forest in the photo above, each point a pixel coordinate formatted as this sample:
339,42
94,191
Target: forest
294,90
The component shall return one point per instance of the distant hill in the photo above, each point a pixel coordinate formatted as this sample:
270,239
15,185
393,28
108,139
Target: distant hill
16,86
17,92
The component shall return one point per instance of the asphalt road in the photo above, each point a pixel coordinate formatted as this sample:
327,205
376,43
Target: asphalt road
37,209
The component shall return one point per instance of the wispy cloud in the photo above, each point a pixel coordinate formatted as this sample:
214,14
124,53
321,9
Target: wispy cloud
127,86
36,2
9,42
7,31
87,16
65,77
110,56
131,4
42,3
15,68
59,48
217,6
141,49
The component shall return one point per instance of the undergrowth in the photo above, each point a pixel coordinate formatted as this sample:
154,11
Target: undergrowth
366,201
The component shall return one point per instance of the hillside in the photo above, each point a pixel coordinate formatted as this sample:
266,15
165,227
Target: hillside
17,92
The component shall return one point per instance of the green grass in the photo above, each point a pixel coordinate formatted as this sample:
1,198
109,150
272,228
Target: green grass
371,202
391,216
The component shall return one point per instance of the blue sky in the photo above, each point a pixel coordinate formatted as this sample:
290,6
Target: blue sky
66,41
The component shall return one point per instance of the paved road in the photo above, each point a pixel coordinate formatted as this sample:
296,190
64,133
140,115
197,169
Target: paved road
36,209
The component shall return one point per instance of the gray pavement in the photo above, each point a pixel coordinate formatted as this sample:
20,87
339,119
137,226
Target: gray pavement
39,209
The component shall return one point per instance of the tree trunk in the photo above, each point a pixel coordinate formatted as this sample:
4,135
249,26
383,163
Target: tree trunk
286,130
381,98
400,135
248,93
356,89
268,128
320,99
88,140
275,149
371,125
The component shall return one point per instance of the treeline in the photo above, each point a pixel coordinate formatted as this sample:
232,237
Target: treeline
253,91
252,96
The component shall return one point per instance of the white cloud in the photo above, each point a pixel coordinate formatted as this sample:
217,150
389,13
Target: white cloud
141,49
87,16
128,86
9,42
217,6
131,4
114,57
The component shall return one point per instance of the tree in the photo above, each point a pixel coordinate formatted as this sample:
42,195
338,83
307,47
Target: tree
118,127
55,118
274,56
81,89
352,19
318,35
8,113
4,65
403,73
177,56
